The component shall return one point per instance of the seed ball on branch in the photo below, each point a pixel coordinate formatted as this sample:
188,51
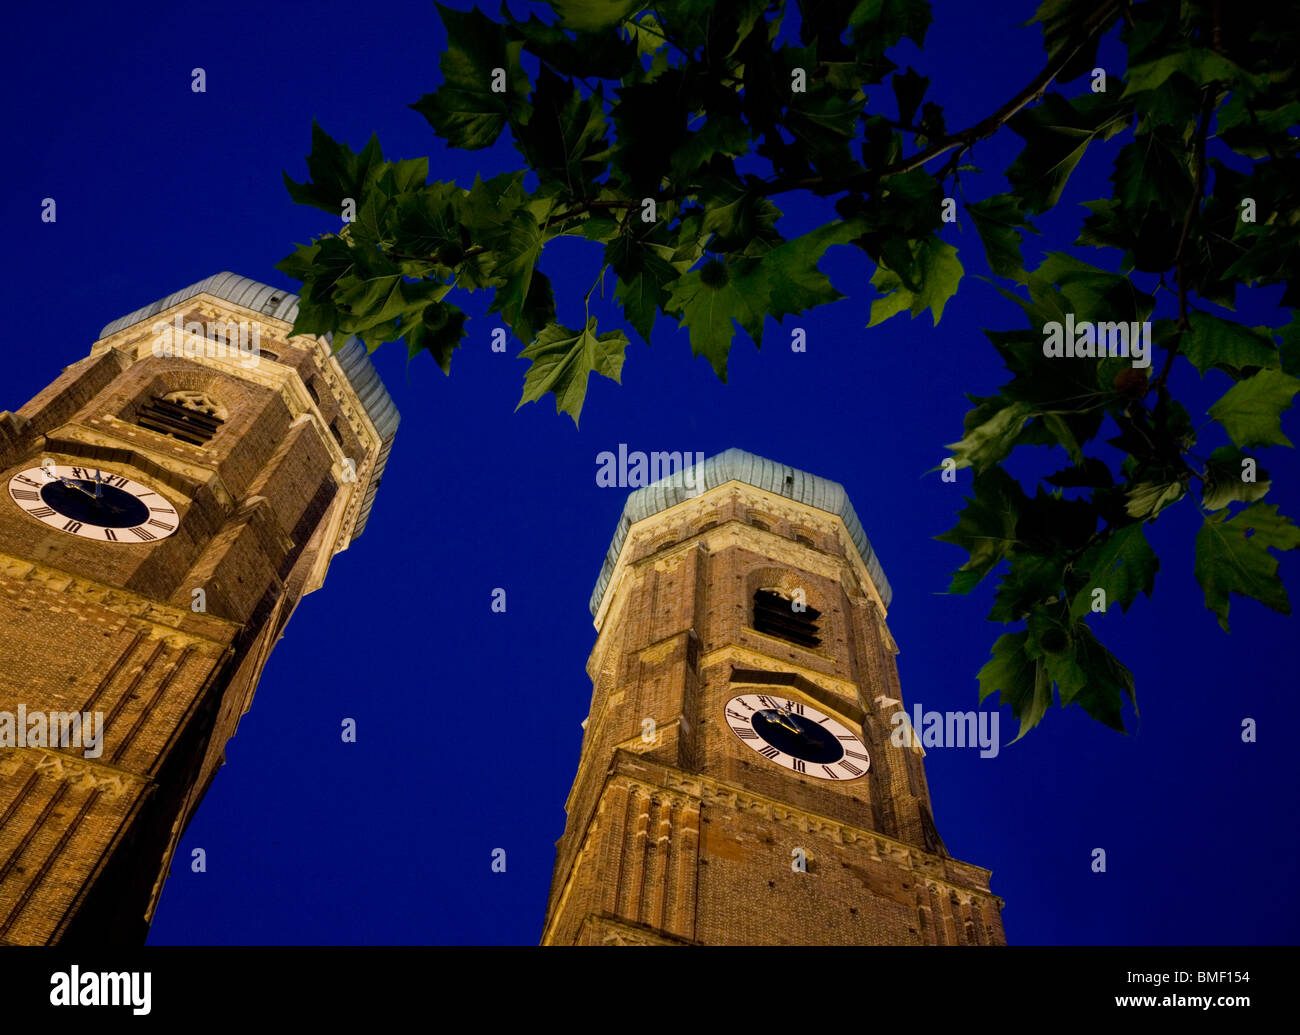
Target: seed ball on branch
1054,641
715,275
1131,383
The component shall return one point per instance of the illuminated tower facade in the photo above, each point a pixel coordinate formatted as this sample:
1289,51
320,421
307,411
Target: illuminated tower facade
165,504
737,783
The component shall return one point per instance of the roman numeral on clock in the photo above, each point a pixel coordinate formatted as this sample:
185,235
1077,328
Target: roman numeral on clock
41,512
117,481
769,751
142,533
110,536
26,481
794,706
72,526
800,766
162,524
744,732
830,772
766,702
162,510
845,736
737,715
24,494
851,768
856,754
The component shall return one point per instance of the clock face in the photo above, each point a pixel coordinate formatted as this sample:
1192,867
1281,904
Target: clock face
798,737
93,504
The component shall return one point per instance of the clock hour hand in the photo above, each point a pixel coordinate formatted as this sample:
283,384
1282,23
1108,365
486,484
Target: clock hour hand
69,483
781,722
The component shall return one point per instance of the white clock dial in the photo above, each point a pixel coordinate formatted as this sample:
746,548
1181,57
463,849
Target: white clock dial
797,736
93,504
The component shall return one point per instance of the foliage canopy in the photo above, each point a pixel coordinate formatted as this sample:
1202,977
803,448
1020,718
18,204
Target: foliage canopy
654,102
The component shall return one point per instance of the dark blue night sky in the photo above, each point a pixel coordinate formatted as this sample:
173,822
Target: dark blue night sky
468,721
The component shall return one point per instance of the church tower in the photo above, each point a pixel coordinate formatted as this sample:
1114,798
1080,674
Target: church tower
737,783
164,505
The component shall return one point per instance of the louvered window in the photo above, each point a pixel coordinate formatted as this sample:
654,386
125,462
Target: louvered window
775,615
186,416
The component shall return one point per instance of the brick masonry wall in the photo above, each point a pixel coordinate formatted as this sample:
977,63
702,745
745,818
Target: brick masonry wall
85,842
688,839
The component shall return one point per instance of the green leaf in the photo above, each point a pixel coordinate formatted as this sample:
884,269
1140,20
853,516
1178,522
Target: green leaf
1031,579
909,91
720,135
1123,564
1063,21
1251,410
880,24
794,283
939,273
335,172
1230,347
593,15
1151,170
1145,500
784,281
999,221
986,527
707,309
1092,474
1225,479
651,120
1105,681
989,442
734,213
1023,670
1056,133
518,246
1232,557
1019,680
642,277
1198,64
1290,348
603,55
646,33
439,332
464,110
563,360
564,138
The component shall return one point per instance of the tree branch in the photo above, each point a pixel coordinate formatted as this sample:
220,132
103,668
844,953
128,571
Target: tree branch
986,127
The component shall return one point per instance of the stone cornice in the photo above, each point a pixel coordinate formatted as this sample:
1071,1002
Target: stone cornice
166,620
86,773
736,532
693,787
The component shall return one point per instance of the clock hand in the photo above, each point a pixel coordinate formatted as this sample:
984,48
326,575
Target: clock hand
70,484
786,725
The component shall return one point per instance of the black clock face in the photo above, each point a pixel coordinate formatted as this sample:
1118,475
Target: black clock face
93,504
794,734
797,736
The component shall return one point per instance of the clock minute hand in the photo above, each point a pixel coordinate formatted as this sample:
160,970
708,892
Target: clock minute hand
69,483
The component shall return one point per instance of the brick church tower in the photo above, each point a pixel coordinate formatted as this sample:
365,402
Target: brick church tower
737,783
166,503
